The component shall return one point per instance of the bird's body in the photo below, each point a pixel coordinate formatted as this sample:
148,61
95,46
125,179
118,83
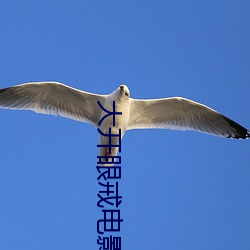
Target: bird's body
167,113
122,105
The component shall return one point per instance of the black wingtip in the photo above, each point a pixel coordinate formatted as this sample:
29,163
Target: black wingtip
248,134
239,131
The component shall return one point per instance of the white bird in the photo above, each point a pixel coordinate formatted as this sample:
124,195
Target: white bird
167,113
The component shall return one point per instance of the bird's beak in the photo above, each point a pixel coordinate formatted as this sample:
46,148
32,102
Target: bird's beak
122,88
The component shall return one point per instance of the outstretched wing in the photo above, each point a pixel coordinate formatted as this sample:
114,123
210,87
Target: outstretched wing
182,114
53,98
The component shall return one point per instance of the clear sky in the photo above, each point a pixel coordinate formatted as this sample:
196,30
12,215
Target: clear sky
181,190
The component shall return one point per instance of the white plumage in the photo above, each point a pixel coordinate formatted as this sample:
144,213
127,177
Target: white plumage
168,113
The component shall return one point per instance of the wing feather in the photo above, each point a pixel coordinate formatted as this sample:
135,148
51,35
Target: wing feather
182,114
53,98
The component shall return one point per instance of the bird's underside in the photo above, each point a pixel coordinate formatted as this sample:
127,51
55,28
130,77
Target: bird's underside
167,113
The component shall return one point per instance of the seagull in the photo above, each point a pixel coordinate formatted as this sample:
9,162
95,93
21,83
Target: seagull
176,113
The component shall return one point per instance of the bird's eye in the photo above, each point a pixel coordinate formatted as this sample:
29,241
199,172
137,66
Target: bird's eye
126,93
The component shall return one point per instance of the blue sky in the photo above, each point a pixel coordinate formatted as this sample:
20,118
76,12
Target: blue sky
181,190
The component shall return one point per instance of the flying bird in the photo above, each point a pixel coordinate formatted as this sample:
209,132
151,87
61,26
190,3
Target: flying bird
175,113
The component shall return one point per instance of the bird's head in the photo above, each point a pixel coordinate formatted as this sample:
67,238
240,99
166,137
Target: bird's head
121,94
124,91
